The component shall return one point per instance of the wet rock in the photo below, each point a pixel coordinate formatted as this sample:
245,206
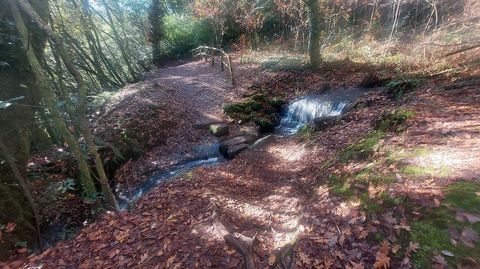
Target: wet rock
231,147
249,131
325,122
232,151
219,129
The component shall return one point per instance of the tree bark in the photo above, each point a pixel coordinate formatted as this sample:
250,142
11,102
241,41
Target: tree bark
313,7
106,190
16,79
156,33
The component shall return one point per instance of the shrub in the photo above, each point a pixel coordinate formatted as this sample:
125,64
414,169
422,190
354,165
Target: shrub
184,33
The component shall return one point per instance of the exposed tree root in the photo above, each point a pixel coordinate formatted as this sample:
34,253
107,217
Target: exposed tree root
284,257
241,243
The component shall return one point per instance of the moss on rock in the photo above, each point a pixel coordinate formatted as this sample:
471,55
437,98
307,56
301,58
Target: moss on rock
257,108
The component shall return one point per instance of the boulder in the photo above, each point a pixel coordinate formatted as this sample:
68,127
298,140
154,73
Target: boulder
325,122
219,129
231,151
231,147
249,131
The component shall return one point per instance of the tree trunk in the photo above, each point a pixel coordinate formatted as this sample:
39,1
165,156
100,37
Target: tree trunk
16,79
119,41
88,25
313,7
84,129
156,33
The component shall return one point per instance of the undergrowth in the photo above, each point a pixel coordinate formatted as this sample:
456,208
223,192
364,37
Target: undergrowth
364,149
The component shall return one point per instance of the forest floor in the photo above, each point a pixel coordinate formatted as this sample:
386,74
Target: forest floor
396,183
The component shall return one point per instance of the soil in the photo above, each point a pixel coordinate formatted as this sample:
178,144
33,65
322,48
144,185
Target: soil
275,199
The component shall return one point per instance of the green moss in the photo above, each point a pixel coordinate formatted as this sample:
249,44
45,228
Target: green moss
394,120
258,108
421,171
265,124
464,195
432,234
432,231
306,132
363,149
276,102
407,154
369,176
340,187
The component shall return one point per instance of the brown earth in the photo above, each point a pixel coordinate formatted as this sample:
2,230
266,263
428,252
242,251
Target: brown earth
276,194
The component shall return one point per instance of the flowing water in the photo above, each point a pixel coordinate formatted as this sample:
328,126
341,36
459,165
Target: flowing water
298,113
305,109
205,155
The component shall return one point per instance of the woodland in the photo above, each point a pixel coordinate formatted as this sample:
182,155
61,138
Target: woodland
240,134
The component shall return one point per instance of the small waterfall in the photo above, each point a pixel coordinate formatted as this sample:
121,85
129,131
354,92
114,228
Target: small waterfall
307,108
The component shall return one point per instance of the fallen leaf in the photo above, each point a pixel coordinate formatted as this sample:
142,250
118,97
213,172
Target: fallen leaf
468,237
412,247
304,258
271,260
396,248
170,261
471,218
384,247
447,253
10,227
439,262
406,261
436,202
382,261
354,265
122,235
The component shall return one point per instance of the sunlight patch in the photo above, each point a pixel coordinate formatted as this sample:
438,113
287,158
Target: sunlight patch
291,153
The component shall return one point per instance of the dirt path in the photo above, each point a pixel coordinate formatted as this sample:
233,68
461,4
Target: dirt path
198,85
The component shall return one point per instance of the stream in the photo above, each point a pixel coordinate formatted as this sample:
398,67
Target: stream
295,115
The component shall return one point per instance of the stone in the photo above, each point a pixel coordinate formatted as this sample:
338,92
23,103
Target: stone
231,147
249,131
232,151
323,123
219,129
238,140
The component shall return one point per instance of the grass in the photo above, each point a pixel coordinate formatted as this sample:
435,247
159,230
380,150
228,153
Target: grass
464,195
432,230
394,120
277,61
306,132
363,149
422,171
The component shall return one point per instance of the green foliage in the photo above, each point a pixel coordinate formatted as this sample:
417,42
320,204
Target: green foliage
432,231
57,189
184,33
284,63
421,171
464,195
363,149
306,132
98,100
369,176
259,109
397,88
394,120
